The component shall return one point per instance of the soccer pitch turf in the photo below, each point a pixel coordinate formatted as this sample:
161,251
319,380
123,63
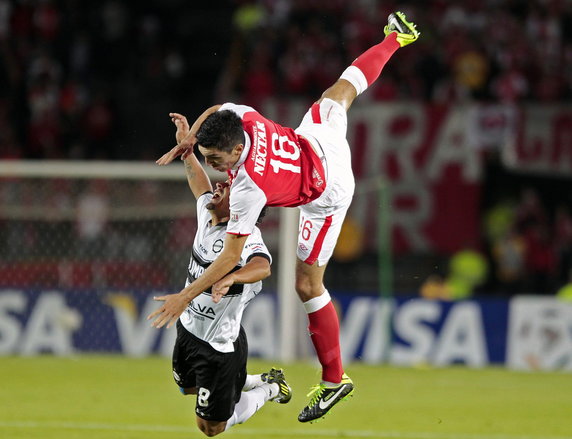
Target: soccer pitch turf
116,397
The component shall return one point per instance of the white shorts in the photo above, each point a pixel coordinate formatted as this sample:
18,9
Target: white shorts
325,126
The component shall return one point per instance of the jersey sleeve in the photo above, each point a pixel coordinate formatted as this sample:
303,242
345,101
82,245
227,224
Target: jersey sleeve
238,109
203,214
255,247
246,202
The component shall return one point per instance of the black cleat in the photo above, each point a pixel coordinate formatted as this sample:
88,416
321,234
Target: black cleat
323,398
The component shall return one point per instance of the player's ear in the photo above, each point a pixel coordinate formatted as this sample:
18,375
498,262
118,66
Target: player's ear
238,149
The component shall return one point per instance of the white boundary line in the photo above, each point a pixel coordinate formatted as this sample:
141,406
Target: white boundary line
267,432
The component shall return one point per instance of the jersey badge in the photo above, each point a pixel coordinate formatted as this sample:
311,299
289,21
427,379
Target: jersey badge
217,246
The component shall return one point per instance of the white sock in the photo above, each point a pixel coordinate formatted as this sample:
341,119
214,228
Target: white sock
356,78
317,303
250,402
252,381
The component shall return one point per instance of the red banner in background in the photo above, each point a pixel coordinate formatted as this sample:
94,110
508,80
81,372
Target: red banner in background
430,156
542,141
432,173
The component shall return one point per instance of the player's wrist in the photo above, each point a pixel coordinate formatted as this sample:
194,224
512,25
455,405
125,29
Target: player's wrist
187,161
187,295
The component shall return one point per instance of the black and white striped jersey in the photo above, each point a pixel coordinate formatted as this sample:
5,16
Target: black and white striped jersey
218,323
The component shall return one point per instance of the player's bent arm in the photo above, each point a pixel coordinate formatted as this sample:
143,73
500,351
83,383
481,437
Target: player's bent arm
258,268
196,176
226,261
195,127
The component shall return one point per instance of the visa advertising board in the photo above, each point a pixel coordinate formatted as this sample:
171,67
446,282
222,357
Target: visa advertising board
527,332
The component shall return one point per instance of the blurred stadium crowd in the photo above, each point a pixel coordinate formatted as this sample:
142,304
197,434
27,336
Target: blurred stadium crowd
526,249
95,80
502,50
75,76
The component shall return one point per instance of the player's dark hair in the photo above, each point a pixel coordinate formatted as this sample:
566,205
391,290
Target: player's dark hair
262,215
221,130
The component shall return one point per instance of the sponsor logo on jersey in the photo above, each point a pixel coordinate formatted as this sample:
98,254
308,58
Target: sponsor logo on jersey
203,310
233,216
217,246
261,148
302,247
195,269
318,181
255,247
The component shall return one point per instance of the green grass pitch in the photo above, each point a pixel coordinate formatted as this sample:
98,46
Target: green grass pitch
116,397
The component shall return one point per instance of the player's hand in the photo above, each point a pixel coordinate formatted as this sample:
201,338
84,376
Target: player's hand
186,141
182,125
182,149
169,312
220,288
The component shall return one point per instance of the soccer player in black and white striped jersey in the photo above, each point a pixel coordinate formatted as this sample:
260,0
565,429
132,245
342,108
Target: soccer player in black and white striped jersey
210,353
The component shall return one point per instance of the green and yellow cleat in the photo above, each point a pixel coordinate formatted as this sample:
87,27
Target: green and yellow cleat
284,390
405,30
323,398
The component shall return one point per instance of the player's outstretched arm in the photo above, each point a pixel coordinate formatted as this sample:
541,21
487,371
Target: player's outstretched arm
174,304
258,268
186,143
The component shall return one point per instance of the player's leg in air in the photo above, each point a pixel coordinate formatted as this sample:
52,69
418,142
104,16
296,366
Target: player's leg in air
321,224
367,67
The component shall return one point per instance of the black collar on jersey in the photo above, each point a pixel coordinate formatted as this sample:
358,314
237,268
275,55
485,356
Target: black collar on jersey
224,224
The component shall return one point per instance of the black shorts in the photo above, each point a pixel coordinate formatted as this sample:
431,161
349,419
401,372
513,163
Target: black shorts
219,377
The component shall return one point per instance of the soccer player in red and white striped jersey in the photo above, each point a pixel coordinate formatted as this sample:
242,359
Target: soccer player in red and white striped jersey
308,167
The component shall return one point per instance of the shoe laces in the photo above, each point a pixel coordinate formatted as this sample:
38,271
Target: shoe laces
315,393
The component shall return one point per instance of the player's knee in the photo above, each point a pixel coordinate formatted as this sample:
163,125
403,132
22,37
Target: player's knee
302,287
306,289
309,280
342,92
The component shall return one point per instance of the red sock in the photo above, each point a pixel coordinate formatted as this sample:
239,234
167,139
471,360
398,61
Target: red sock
325,333
372,61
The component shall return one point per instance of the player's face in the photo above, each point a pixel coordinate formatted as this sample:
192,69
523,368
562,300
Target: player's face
220,160
220,200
